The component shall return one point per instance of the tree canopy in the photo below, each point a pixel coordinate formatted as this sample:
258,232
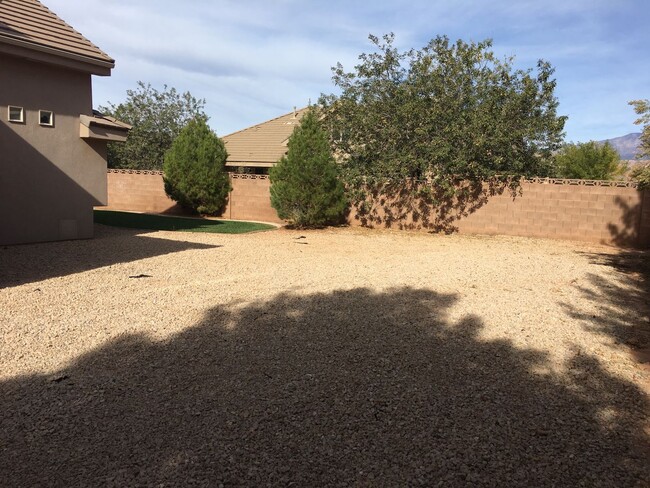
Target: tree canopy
641,174
642,108
589,161
447,111
195,174
157,118
304,184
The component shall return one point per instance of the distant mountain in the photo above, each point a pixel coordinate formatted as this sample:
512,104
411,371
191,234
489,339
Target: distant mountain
627,146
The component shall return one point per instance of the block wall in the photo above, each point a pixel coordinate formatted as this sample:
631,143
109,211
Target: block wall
603,214
614,213
143,191
250,199
138,191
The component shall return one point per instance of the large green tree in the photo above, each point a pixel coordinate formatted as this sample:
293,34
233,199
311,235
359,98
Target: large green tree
157,118
589,161
641,174
642,108
195,174
305,188
448,111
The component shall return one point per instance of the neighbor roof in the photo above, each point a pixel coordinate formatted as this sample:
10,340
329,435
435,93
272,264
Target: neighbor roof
262,145
30,25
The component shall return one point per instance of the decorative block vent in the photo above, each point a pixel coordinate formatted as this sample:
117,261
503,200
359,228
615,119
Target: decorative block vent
563,181
244,176
135,171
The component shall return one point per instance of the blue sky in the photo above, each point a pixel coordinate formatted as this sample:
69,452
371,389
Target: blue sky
254,60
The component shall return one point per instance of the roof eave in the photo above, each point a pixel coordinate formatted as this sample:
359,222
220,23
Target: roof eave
38,52
104,121
91,127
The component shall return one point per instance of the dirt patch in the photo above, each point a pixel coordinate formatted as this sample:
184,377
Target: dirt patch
335,357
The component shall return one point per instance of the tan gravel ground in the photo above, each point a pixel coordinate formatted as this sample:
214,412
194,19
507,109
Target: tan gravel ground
341,358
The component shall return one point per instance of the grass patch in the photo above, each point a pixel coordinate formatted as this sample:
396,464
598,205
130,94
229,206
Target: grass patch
161,222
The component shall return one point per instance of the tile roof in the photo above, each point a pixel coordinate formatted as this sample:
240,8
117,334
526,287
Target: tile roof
263,144
29,23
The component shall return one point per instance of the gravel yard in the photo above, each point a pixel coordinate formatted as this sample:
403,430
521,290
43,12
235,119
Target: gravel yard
341,357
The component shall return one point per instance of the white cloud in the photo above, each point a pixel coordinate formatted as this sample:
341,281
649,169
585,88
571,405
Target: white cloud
254,59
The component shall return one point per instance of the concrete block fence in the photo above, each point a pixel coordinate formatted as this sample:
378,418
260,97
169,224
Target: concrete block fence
144,191
614,213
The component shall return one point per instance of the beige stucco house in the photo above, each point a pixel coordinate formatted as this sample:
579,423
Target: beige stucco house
52,144
257,148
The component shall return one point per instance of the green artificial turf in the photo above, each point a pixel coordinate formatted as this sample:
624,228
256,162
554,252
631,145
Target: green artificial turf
161,222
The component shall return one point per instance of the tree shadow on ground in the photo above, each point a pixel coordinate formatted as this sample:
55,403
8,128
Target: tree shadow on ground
349,388
28,263
622,300
414,205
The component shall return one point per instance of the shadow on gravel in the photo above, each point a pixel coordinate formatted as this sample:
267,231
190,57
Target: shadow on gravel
623,302
35,262
351,388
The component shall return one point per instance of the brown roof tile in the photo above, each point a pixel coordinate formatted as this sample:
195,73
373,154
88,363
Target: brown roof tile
30,23
264,143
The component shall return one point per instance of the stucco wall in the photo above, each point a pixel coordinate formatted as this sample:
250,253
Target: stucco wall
600,212
50,178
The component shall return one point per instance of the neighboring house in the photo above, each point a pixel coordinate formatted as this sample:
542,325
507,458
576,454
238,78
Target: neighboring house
257,148
52,144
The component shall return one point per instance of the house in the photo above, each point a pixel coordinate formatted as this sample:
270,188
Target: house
52,144
257,148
